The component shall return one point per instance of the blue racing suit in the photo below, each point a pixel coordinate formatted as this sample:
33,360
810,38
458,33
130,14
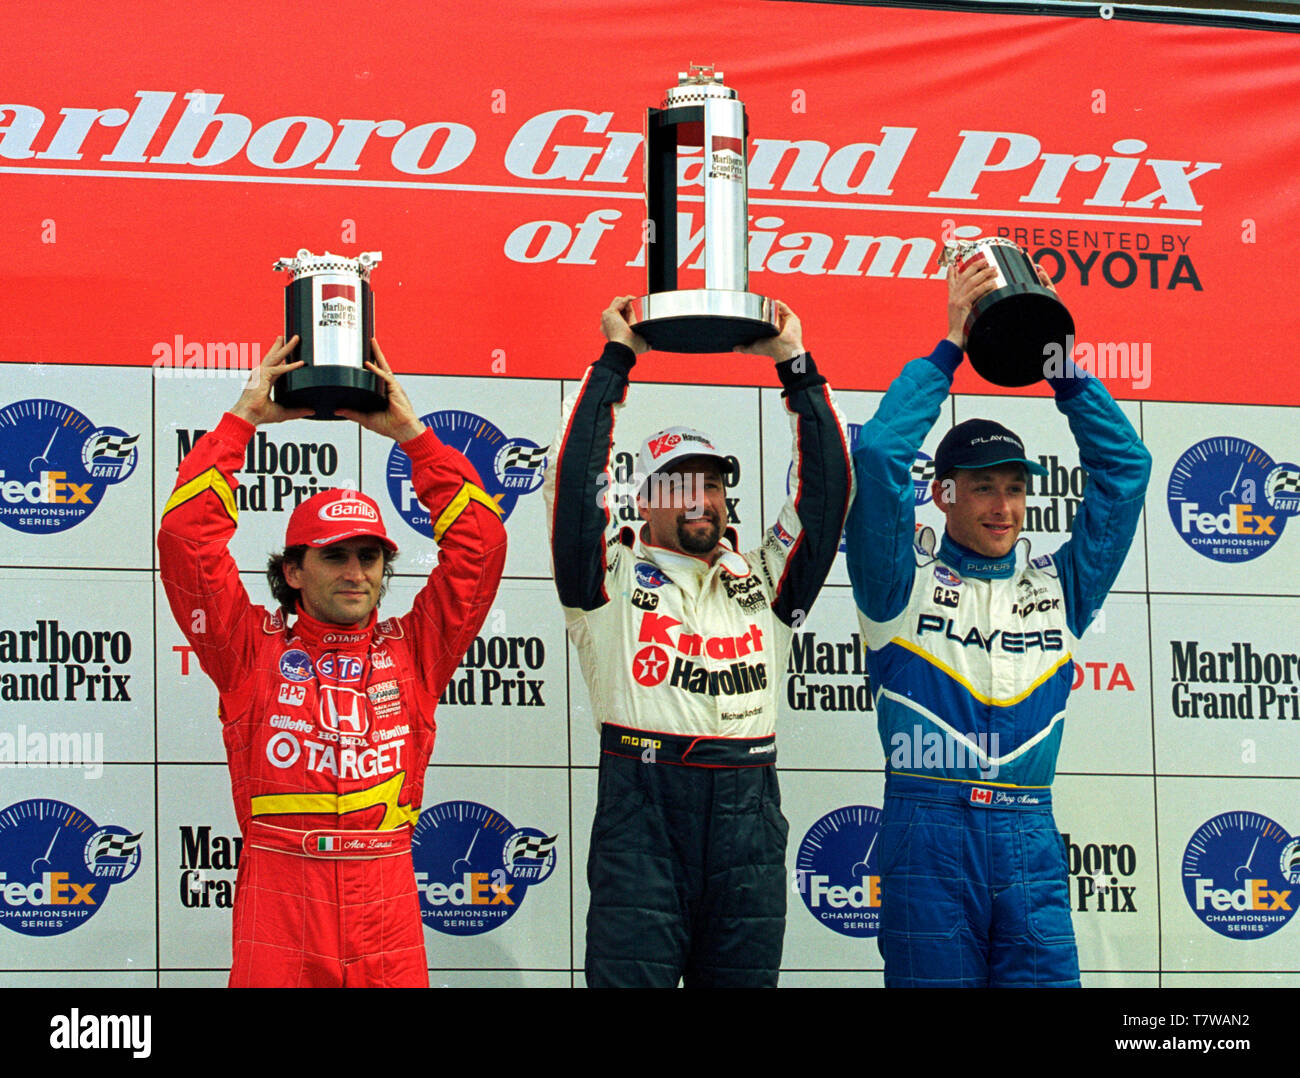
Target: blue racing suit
971,662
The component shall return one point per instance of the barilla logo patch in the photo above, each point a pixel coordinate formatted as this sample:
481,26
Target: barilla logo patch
981,797
348,509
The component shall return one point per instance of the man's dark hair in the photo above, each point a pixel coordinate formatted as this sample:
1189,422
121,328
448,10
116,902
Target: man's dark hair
288,597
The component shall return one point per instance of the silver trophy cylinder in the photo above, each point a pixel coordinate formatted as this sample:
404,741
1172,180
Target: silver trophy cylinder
1012,331
700,111
329,305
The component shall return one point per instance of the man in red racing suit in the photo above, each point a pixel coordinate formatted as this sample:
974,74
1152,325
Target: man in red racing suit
328,721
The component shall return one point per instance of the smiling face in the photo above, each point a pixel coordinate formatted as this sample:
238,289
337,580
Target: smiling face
340,583
985,507
685,508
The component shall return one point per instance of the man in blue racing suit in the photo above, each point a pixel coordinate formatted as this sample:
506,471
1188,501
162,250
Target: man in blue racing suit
970,657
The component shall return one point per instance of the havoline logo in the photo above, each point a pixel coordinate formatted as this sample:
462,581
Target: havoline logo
509,467
473,867
55,465
1229,500
1241,875
57,865
837,872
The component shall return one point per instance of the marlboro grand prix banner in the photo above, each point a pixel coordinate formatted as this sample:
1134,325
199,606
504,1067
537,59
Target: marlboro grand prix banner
151,181
156,161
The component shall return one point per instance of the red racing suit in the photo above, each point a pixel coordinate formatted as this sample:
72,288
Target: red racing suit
328,728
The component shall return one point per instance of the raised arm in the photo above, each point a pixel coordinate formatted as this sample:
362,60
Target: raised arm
200,577
578,479
800,546
882,521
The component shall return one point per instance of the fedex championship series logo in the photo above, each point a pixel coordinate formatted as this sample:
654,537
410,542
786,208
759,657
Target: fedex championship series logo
509,467
57,866
1229,500
837,871
55,465
473,867
1241,875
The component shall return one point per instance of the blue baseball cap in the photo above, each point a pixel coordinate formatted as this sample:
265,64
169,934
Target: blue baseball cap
981,443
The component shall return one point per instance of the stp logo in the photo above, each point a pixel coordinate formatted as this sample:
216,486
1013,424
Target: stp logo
662,444
650,666
340,667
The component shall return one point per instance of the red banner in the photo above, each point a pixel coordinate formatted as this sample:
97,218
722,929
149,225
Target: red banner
156,162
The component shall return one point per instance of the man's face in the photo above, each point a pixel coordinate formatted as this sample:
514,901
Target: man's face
985,507
340,583
685,507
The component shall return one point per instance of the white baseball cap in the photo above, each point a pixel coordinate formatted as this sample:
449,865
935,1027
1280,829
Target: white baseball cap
666,447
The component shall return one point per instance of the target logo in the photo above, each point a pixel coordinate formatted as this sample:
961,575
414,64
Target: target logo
283,750
650,665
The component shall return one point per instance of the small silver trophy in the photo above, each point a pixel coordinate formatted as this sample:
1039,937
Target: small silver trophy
700,112
329,305
1008,331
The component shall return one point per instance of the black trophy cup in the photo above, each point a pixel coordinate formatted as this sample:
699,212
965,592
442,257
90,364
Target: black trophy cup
1012,331
700,112
329,305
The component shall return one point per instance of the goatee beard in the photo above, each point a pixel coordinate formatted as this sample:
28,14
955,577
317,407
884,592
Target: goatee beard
696,542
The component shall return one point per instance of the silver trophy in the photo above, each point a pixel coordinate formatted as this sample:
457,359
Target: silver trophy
329,305
1009,330
700,112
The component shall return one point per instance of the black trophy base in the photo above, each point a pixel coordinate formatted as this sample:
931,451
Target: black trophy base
1013,334
328,388
703,320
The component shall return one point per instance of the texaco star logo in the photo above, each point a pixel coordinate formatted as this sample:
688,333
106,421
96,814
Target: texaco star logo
650,665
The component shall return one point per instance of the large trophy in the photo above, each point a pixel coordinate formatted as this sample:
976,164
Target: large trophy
700,112
328,304
1012,331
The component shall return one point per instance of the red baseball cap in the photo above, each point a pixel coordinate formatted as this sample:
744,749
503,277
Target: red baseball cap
334,515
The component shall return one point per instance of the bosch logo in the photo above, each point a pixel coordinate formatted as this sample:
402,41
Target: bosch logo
650,666
347,510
